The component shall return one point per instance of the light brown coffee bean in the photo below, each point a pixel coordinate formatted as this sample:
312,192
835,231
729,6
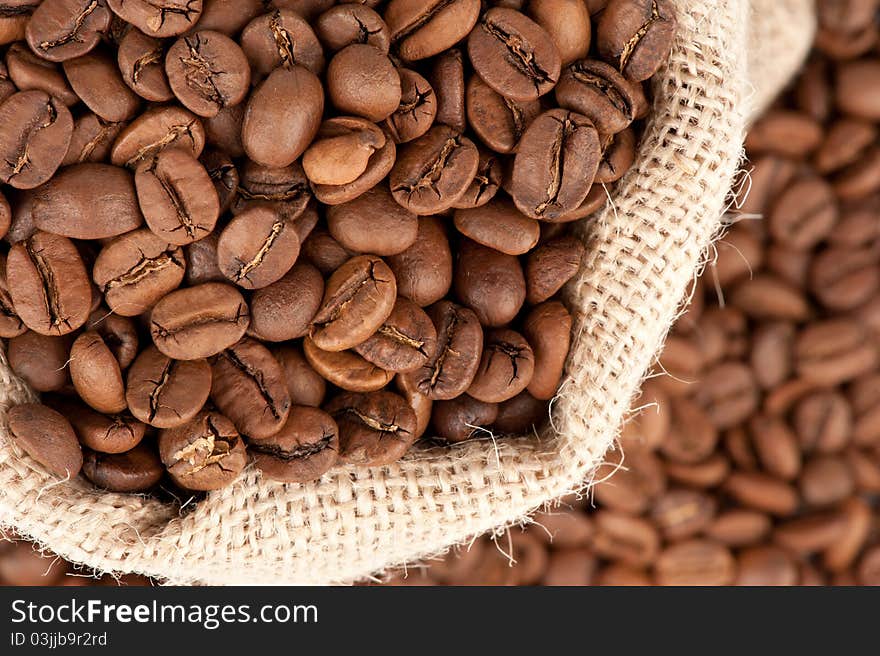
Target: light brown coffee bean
762,492
547,328
373,223
346,369
626,539
692,435
47,437
424,270
833,351
695,562
404,342
739,527
491,283
304,384
683,513
776,446
284,309
96,374
825,480
158,129
629,484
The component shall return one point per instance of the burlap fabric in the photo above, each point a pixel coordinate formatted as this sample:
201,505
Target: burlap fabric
643,251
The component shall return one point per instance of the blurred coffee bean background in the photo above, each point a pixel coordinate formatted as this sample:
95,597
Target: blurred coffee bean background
753,454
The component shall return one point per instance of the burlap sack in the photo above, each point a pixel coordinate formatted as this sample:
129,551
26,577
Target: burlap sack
643,251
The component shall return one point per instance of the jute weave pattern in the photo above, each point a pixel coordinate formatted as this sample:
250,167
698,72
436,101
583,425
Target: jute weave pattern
643,252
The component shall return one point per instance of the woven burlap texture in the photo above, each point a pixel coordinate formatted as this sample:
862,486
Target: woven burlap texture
643,251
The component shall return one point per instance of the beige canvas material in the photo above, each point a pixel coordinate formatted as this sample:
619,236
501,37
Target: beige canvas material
643,251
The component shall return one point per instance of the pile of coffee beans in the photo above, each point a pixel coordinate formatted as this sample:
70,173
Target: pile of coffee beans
756,458
293,232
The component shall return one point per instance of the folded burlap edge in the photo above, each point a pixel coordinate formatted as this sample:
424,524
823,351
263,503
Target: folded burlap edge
643,251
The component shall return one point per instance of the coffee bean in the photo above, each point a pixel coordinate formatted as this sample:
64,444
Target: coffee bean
825,480
96,374
463,417
224,176
768,297
823,421
206,453
47,437
500,226
636,35
358,298
485,184
633,486
692,435
490,283
343,25
11,324
446,77
361,80
166,393
423,29
303,450
513,54
785,132
421,405
434,171
91,140
40,360
630,540
424,270
96,79
547,328
107,434
739,527
32,73
282,116
346,369
683,513
762,492
200,321
140,59
856,519
520,415
285,190
136,269
281,38
846,141
324,252
137,470
248,387
162,19
36,134
375,428
845,278
404,342
771,355
284,309
67,29
377,167
597,91
834,351
304,384
506,367
549,182
498,121
373,223
158,129
207,71
48,284
177,197
550,266
342,150
728,393
695,562
451,369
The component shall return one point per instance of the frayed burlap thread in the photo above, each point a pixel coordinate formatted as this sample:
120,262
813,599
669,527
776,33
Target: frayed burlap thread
643,251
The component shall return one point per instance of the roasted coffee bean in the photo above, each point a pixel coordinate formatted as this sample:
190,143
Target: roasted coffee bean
500,226
285,189
692,434
96,374
248,387
358,298
424,270
136,269
549,182
36,133
282,116
157,129
11,324
342,150
40,360
224,175
284,309
420,404
137,470
281,38
377,167
361,80
550,266
521,415
490,283
15,18
166,393
597,91
99,432
825,480
485,184
630,540
304,384
199,321
695,562
63,30
140,59
177,197
206,453
513,54
568,24
404,342
784,132
463,417
417,109
201,261
324,252
434,171
845,278
91,140
547,328
48,284
346,369
447,79
223,131
762,492
823,422
451,369
375,429
423,29
776,446
96,79
728,394
162,19
47,437
32,73
257,248
343,25
305,448
373,223
636,35
506,367
834,351
618,155
207,71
